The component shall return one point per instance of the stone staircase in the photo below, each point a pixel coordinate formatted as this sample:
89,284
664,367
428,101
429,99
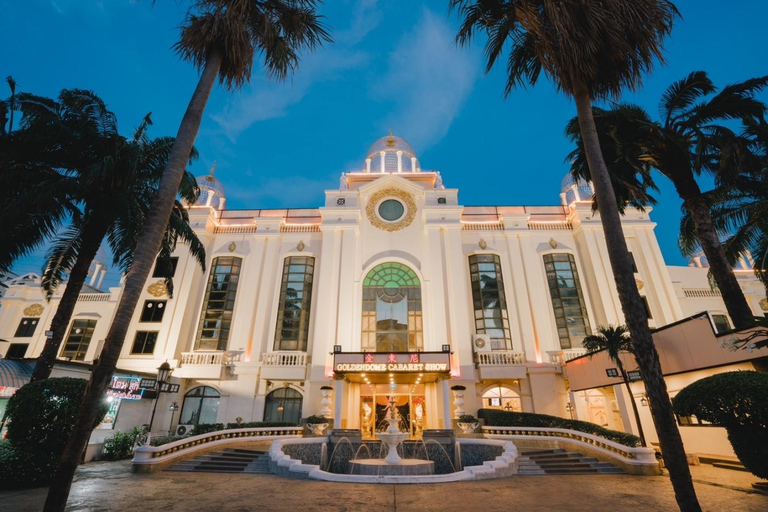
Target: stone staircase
228,461
561,462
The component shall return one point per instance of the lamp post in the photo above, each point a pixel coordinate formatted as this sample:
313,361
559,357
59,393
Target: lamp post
163,374
173,408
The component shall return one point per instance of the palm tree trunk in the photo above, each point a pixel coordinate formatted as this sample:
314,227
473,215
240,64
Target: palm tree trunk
625,378
93,233
722,272
634,311
147,248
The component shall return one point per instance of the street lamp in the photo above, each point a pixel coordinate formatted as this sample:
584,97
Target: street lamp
173,408
163,374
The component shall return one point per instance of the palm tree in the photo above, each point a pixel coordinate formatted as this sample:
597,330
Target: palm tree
12,100
591,50
615,340
693,137
109,194
222,38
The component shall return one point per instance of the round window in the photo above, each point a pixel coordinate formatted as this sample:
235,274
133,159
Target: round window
391,210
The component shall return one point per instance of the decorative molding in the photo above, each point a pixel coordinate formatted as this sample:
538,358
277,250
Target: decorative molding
482,244
157,289
764,304
640,284
300,246
232,247
33,310
553,243
404,222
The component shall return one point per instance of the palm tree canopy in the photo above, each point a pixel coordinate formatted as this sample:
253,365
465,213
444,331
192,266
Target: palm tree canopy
239,29
613,339
598,44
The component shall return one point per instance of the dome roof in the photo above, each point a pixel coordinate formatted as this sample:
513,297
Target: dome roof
572,190
209,183
391,154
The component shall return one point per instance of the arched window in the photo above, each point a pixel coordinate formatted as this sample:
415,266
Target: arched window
201,405
283,404
392,320
295,302
567,300
216,318
490,300
503,398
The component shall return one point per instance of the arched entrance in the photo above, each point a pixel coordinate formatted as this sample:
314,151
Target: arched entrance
283,404
503,398
201,405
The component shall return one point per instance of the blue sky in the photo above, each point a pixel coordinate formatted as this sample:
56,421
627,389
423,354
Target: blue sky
394,64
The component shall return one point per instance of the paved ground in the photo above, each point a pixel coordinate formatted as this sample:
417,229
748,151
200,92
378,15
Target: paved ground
109,486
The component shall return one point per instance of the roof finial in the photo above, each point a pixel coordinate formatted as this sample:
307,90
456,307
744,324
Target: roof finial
210,175
390,133
391,139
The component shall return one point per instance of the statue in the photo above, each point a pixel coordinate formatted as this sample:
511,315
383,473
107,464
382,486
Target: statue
366,427
418,423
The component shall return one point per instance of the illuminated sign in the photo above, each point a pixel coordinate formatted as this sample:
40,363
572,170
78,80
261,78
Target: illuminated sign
393,362
6,391
125,388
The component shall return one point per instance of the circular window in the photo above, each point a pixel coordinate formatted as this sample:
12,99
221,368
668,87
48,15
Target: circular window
391,210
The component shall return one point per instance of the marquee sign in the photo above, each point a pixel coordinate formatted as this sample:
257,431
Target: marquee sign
125,388
393,362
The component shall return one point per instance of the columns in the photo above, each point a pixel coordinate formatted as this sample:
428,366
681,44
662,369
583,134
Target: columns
400,161
383,166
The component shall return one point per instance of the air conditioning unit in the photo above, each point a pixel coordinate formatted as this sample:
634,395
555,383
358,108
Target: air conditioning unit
184,430
481,343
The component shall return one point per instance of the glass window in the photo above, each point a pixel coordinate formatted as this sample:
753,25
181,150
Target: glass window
283,404
79,338
391,210
153,311
392,320
17,351
647,307
292,329
722,324
167,270
201,405
489,299
144,342
567,300
216,318
27,327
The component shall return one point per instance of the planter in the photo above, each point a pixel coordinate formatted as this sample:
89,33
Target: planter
458,403
325,403
468,428
317,429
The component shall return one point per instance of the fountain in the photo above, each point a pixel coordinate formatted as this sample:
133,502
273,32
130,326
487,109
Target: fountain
392,464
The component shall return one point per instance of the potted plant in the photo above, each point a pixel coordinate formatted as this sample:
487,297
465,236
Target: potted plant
467,423
316,424
458,400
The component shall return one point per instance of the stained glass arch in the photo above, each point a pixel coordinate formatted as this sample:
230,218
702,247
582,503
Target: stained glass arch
391,274
391,317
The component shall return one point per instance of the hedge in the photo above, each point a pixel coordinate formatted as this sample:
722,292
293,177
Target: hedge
120,446
205,428
737,401
496,418
20,469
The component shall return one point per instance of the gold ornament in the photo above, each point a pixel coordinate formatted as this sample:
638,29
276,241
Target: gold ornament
33,310
639,284
404,222
553,243
232,247
157,289
764,304
483,244
300,246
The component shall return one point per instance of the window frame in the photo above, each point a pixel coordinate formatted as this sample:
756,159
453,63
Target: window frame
297,338
89,327
480,295
15,346
159,305
145,341
26,333
225,293
156,273
568,340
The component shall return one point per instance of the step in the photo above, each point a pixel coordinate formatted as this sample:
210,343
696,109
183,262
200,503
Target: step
243,450
571,472
542,452
732,466
564,455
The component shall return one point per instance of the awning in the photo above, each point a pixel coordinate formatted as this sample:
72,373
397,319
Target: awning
15,373
400,367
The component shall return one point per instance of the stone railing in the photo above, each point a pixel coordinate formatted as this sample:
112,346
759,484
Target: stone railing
550,225
300,228
565,355
629,456
209,358
499,358
238,228
701,292
150,455
94,297
483,226
284,359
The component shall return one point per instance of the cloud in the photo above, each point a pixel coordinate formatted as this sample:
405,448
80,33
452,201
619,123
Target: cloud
366,16
285,191
429,79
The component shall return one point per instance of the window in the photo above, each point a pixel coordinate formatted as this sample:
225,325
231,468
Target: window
722,324
201,405
502,397
567,300
647,307
78,340
27,327
144,342
17,351
216,317
283,404
292,328
164,272
489,300
392,320
153,311
634,265
692,421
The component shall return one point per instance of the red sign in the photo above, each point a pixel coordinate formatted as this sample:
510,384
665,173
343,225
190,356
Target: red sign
414,358
392,358
368,358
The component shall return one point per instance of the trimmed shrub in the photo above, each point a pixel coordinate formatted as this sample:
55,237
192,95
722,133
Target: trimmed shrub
20,469
496,418
120,446
205,428
737,401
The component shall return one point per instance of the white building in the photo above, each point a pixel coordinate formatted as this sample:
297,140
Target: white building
392,287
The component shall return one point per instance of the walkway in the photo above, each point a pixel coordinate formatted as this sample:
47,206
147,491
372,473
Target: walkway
108,486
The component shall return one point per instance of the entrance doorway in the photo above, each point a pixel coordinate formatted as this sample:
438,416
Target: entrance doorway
410,403
283,404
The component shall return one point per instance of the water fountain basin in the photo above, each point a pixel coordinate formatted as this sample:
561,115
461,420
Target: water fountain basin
380,467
